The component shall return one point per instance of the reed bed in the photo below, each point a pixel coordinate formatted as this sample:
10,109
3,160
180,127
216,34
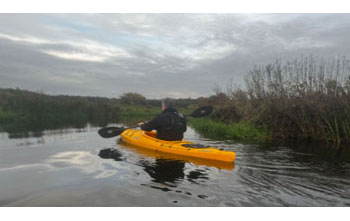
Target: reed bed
308,99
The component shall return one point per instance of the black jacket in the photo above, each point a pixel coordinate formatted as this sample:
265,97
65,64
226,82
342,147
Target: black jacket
170,125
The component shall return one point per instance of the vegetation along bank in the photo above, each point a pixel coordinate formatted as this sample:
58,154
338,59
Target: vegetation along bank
305,99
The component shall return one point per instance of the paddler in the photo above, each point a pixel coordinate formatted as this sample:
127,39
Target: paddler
170,124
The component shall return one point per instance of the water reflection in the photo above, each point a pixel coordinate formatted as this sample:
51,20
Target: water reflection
196,175
25,135
164,171
35,132
68,168
167,172
285,176
75,158
324,151
82,160
168,156
111,153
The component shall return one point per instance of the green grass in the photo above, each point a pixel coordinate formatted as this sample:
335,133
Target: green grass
131,114
6,117
241,131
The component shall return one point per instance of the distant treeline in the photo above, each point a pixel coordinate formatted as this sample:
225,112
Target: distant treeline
305,99
22,110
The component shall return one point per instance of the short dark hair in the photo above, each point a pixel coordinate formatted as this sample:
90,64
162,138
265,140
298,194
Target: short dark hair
168,103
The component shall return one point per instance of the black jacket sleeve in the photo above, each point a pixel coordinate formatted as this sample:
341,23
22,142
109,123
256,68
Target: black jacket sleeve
185,125
152,124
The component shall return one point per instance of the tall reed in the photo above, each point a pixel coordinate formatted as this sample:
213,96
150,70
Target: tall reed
308,98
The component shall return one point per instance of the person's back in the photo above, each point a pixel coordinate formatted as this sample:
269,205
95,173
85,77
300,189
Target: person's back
170,124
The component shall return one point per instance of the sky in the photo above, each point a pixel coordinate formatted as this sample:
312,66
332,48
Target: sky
156,55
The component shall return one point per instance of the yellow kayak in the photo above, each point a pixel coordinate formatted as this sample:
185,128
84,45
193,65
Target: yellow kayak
183,148
168,156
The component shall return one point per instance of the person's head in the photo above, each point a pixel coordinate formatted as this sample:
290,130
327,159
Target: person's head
167,103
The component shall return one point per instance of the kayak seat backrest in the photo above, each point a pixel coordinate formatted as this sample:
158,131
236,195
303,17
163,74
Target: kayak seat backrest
151,134
195,145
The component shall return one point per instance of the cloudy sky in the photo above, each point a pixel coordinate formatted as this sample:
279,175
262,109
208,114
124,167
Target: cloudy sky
157,55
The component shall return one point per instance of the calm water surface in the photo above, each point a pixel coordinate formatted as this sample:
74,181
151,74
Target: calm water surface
63,168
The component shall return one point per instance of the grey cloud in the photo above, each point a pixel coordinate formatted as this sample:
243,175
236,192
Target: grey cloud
178,55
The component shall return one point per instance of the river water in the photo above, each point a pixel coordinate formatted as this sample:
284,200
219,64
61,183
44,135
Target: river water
63,168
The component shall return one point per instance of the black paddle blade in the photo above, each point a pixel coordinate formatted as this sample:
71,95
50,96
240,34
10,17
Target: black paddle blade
202,112
108,132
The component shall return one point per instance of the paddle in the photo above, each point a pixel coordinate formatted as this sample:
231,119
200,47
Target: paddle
108,132
201,112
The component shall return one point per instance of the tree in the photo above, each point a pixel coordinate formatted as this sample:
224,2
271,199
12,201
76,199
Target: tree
132,98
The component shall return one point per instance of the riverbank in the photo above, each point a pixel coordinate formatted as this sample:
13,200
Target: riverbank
131,114
22,121
23,111
303,100
236,131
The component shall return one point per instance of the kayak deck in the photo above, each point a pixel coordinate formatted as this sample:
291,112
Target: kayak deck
185,148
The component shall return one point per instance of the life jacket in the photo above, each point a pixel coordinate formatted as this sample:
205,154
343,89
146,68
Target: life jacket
178,121
174,126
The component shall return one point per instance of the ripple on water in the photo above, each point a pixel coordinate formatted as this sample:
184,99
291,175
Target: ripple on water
68,169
